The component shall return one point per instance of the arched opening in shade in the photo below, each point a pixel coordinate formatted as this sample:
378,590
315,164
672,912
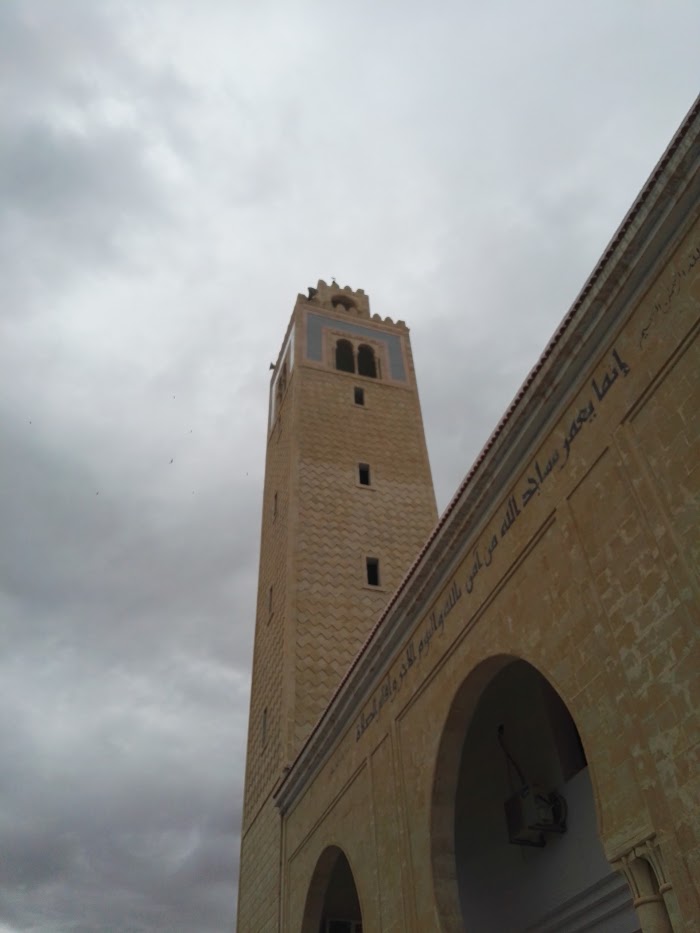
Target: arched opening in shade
344,356
332,902
514,824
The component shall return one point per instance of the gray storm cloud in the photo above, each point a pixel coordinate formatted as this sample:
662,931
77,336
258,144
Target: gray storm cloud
171,175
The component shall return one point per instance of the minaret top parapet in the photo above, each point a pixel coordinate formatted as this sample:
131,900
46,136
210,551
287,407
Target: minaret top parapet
334,297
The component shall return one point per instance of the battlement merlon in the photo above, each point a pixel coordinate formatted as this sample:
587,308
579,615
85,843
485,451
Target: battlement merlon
334,297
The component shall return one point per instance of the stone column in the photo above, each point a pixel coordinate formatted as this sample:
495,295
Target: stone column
651,851
647,898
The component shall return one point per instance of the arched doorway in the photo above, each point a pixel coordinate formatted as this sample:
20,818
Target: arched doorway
332,903
514,827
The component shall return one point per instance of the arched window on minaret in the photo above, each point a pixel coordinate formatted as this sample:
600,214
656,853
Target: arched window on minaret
344,356
341,301
366,363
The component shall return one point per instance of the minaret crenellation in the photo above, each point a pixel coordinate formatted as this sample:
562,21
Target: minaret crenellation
334,297
344,300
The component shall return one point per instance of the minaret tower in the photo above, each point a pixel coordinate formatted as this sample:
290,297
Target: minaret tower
348,502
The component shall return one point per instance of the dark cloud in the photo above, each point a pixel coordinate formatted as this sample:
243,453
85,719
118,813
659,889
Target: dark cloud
48,171
87,133
171,176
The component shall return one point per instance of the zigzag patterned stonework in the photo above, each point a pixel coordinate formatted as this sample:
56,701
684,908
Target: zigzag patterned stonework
315,607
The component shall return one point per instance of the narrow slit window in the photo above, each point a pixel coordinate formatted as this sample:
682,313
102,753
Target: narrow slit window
372,571
363,470
269,601
274,507
264,727
359,396
281,387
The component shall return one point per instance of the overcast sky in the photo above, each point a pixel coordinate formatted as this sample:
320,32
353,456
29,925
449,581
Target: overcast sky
171,175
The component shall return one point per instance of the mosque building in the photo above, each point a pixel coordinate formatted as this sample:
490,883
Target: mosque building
487,721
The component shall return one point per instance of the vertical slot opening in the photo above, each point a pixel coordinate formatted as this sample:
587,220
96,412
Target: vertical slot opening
373,571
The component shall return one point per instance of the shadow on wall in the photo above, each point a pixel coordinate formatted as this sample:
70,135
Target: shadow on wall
545,880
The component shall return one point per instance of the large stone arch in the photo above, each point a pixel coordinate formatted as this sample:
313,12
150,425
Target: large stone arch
488,685
332,894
